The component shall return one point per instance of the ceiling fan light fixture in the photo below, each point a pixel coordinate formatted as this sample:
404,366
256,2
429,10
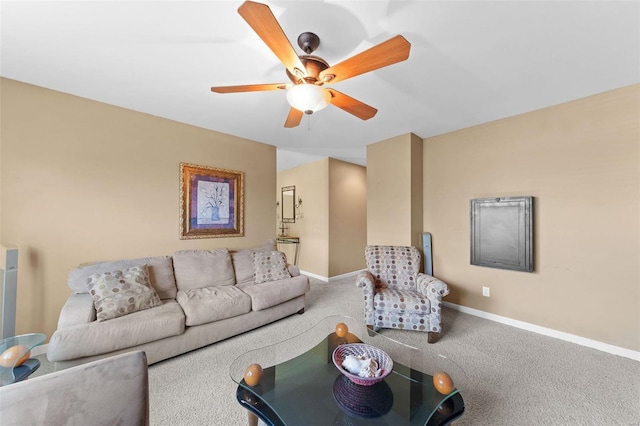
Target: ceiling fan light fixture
308,98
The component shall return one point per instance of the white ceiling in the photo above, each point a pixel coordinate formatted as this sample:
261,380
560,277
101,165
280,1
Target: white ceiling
470,62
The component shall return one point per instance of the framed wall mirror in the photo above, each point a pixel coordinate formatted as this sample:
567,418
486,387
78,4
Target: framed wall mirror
288,200
502,233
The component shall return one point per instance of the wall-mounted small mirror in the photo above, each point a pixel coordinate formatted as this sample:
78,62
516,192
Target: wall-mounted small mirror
288,204
502,233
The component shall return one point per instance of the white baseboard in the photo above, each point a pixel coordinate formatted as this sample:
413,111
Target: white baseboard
347,275
583,341
328,279
316,276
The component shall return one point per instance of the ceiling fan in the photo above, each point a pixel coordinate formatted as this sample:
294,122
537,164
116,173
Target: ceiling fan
309,73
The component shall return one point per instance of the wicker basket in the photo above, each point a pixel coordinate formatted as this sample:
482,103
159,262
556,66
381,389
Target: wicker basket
385,363
362,401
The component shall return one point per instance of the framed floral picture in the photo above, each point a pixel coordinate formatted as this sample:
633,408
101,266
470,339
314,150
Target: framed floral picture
211,202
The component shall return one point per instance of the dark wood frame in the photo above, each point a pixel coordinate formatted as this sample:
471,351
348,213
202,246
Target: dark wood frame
291,219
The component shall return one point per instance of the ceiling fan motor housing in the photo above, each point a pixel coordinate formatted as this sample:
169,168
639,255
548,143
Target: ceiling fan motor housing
314,66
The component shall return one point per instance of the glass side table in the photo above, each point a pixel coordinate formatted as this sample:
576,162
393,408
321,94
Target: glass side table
13,350
290,240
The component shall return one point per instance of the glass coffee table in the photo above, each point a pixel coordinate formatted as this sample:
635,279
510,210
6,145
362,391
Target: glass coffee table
298,383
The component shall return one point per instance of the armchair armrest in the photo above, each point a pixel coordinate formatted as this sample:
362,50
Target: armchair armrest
78,309
435,290
366,282
432,287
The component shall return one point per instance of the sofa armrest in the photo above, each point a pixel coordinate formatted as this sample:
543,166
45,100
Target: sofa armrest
293,270
111,391
78,309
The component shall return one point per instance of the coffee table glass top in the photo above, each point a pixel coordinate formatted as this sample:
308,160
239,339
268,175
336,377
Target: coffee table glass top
12,351
300,384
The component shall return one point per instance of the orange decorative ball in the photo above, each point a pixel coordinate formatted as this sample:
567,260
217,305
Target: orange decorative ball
14,357
341,329
443,383
252,374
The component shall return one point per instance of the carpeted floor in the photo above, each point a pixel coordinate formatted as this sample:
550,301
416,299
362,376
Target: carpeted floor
513,377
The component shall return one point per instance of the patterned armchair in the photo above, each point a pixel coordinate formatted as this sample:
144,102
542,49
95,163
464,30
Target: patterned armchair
397,295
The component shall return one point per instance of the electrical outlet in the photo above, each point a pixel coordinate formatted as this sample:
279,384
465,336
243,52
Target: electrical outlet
486,292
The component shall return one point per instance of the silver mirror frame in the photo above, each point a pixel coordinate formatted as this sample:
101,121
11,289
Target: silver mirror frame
502,233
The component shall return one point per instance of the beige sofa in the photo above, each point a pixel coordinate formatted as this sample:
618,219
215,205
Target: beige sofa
112,391
203,296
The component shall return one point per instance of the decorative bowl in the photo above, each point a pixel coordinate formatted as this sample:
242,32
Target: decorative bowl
385,363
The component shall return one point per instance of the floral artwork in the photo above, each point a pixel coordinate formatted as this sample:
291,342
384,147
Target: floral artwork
211,202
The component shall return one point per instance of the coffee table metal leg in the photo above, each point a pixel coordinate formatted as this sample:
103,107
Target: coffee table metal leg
253,419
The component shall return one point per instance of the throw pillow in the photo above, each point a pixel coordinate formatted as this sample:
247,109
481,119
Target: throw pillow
118,293
269,266
243,262
160,270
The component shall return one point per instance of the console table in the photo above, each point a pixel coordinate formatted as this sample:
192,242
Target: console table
290,240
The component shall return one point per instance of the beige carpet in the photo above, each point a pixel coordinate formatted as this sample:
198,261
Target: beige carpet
513,377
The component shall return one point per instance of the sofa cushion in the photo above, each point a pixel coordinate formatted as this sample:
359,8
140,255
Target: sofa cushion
243,262
98,338
203,268
160,274
119,293
271,293
203,305
269,266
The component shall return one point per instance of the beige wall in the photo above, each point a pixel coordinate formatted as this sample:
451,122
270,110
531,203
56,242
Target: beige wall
417,183
84,181
312,185
580,161
347,217
332,222
394,191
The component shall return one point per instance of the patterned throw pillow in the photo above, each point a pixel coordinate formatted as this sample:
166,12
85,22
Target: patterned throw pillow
118,293
269,266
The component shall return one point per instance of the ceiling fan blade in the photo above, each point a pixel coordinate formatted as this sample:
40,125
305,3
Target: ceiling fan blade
248,88
261,19
294,118
351,105
394,50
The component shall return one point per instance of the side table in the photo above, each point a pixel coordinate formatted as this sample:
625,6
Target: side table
290,240
18,347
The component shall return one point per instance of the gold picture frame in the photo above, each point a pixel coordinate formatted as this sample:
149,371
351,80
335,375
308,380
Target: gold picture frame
211,202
